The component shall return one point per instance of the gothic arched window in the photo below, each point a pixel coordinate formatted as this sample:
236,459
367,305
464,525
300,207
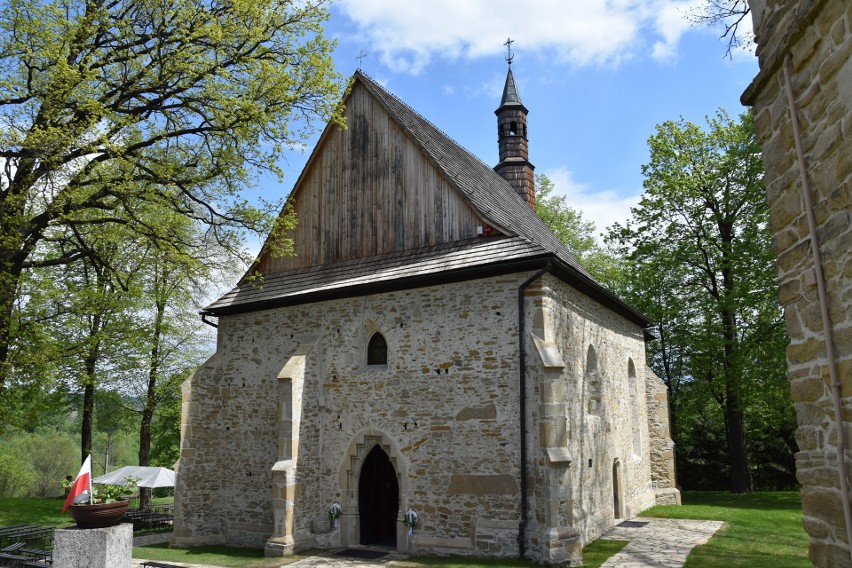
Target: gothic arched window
377,350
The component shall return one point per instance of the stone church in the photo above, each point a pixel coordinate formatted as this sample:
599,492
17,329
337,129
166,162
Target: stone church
430,348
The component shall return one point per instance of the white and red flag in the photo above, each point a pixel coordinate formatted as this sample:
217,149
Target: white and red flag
81,489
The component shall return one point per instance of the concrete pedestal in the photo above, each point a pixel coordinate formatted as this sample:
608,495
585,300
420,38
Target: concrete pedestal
111,547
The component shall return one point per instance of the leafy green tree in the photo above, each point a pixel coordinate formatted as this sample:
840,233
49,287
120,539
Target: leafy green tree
112,107
173,344
95,319
703,271
575,232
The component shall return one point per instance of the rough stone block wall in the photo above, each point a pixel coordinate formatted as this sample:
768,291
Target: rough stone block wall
604,424
278,422
818,35
452,369
661,444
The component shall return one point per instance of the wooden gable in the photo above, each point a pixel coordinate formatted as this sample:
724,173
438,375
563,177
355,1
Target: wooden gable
369,189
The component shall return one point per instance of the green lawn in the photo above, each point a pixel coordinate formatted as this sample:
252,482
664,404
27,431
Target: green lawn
34,511
224,556
764,529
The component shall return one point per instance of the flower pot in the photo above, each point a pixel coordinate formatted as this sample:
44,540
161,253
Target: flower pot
99,515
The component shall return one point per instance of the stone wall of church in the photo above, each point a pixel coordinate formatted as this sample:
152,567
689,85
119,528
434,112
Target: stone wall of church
447,401
445,409
591,446
818,36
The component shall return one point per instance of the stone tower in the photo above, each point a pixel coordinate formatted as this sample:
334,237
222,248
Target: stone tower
802,101
514,164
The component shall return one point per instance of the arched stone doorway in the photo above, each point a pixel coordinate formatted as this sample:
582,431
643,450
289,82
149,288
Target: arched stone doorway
378,499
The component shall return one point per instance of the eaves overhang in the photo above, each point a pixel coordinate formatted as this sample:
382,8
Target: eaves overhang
558,268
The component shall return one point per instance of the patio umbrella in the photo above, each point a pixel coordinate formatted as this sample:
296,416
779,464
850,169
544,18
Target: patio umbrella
148,476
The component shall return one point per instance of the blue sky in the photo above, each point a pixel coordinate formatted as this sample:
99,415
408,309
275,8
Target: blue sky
596,76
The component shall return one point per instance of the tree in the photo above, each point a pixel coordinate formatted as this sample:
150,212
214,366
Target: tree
575,232
172,346
699,244
727,13
95,301
112,107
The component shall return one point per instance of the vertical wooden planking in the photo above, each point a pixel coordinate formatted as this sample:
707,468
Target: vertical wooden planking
371,190
398,188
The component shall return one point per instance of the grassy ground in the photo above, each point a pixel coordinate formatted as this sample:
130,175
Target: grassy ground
764,530
594,555
33,511
38,511
224,556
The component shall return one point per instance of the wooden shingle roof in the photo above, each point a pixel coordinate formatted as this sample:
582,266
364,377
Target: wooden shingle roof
525,241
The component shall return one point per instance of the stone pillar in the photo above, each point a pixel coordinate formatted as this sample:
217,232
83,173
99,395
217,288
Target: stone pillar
557,541
110,547
284,487
660,442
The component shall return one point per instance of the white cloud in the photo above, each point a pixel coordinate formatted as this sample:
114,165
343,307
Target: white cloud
670,24
603,208
585,32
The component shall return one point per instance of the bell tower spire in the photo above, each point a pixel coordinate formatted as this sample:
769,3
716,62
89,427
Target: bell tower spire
512,140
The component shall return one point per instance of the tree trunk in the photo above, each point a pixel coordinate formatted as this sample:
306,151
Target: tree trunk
150,399
89,381
737,454
11,266
88,413
734,425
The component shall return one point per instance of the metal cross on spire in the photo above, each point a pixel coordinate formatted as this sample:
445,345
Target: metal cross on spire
361,56
509,55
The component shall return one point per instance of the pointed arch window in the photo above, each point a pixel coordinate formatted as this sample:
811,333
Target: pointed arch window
377,350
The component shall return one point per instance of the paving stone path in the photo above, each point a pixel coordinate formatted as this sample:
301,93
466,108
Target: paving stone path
654,543
663,543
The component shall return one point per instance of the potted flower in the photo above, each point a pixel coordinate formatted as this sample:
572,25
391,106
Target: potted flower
410,521
105,507
96,507
334,514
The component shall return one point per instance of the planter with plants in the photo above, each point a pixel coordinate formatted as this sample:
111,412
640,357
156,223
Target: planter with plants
96,507
105,509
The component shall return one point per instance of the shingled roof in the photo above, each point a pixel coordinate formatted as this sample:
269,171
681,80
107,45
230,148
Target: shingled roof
525,239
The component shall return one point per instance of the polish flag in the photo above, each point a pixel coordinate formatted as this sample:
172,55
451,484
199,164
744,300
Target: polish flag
82,486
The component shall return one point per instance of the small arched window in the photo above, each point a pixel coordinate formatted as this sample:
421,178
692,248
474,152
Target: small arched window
594,388
513,128
377,350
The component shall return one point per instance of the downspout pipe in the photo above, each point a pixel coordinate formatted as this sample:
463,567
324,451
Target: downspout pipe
522,385
828,332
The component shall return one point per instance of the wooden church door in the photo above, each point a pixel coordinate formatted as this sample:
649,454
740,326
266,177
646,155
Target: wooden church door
378,499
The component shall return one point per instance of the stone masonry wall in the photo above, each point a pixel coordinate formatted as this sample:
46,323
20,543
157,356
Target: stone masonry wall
818,35
594,407
452,369
445,408
662,446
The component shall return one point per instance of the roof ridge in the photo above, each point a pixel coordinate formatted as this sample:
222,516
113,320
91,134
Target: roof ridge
426,120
